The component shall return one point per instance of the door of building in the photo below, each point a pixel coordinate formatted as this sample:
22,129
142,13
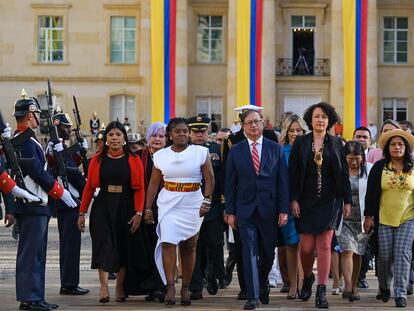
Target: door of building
298,104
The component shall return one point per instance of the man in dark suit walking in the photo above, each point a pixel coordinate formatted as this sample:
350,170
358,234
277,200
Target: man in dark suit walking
257,201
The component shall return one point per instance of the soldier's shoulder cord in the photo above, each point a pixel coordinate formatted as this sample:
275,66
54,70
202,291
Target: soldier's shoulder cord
22,138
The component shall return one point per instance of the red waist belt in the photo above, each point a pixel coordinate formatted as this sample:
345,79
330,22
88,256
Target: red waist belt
181,187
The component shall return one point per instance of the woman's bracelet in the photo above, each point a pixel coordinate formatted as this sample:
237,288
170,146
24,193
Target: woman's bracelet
139,213
147,211
81,215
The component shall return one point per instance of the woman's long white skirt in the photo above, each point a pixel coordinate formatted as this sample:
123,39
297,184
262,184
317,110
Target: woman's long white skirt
178,220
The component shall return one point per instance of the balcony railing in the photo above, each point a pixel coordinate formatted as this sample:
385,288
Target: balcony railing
302,67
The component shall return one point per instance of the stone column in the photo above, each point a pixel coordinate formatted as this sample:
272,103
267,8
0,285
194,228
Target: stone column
144,97
231,62
181,71
373,102
269,60
336,97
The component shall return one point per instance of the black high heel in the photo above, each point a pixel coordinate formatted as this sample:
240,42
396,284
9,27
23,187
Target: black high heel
170,301
104,300
186,302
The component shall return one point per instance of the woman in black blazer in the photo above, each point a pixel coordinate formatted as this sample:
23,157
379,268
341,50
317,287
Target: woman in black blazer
319,183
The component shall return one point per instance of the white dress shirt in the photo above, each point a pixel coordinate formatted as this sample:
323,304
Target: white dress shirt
258,146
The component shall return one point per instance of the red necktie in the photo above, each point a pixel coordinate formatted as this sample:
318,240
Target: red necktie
255,158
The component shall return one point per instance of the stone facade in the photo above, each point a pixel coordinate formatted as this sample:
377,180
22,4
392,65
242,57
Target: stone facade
88,72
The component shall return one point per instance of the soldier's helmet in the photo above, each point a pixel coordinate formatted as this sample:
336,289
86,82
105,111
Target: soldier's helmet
133,138
100,135
25,105
61,119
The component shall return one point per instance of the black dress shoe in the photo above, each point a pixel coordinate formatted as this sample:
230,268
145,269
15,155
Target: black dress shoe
264,294
362,283
52,305
285,288
111,276
196,295
38,305
400,302
212,286
222,283
74,291
251,304
384,295
242,295
228,278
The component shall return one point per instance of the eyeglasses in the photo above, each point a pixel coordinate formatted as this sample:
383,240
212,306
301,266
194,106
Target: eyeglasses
251,122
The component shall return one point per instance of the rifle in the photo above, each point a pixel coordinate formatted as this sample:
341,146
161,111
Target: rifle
11,157
54,138
79,137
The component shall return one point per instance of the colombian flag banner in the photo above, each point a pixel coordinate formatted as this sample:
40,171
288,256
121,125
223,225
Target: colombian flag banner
354,22
249,52
163,47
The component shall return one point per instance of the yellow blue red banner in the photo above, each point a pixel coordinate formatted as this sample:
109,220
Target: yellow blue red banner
163,51
249,52
354,22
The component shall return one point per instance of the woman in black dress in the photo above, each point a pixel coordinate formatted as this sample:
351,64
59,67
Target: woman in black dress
117,210
319,188
142,276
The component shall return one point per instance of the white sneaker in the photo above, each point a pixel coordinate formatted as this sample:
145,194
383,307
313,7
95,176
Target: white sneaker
336,291
272,283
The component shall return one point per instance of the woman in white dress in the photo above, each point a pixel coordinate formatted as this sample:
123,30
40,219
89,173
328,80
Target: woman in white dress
181,205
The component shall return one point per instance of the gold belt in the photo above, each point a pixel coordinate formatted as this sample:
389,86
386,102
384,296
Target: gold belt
181,187
114,188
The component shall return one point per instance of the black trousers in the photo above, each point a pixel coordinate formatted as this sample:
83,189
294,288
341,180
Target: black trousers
69,247
209,249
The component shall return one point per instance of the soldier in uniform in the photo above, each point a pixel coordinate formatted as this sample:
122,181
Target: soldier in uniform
235,249
34,218
210,241
67,217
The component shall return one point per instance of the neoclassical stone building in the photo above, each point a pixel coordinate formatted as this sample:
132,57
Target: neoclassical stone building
100,51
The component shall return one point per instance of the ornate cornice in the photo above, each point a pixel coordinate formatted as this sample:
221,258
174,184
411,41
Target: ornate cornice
51,6
135,80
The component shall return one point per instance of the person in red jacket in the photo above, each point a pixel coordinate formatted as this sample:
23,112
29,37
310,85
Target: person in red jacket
117,210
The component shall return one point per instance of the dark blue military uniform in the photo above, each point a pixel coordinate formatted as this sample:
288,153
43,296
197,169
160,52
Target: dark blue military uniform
33,222
69,235
67,218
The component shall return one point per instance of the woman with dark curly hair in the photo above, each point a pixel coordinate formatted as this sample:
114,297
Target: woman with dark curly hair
320,188
181,204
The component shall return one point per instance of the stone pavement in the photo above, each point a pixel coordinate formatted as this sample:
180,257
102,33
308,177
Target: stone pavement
224,300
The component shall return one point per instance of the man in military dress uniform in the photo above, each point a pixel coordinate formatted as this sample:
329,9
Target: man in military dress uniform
67,217
210,240
235,249
34,218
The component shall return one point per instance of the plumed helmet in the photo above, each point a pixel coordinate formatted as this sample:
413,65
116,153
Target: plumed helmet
61,118
25,105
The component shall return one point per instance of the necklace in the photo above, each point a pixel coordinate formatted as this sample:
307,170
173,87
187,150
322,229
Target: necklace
318,159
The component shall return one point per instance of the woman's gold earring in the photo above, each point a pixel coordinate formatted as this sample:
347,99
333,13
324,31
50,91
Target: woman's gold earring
106,143
124,143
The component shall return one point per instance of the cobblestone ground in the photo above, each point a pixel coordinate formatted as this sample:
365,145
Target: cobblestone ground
224,300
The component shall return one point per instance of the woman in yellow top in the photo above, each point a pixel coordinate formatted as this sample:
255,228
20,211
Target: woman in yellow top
389,207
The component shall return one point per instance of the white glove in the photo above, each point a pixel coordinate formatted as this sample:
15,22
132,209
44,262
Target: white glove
23,194
7,131
58,147
67,199
84,145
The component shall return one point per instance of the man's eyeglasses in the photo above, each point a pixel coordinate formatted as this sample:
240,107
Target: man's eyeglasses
251,122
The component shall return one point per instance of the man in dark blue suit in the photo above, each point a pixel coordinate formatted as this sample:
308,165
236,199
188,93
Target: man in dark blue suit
257,201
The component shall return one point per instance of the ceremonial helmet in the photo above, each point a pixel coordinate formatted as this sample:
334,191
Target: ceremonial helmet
61,119
25,105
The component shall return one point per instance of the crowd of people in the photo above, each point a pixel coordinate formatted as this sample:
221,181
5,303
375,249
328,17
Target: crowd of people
166,205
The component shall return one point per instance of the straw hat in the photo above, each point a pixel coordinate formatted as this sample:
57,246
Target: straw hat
397,132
